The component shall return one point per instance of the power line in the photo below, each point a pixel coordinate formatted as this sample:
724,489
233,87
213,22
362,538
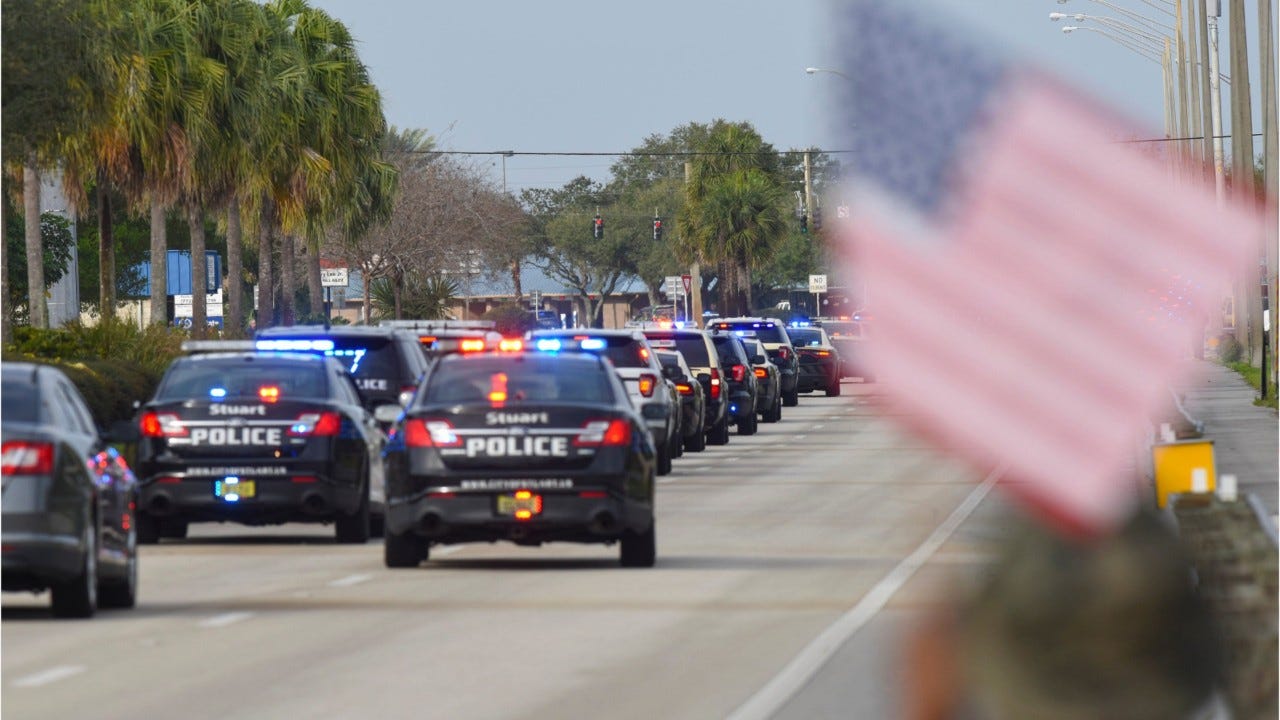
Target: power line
630,153
1178,139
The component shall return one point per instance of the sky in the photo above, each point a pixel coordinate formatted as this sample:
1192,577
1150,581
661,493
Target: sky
579,76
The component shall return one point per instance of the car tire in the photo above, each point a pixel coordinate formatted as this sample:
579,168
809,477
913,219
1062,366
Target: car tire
78,597
639,549
774,414
172,528
697,443
677,445
833,390
791,399
749,424
353,529
377,525
148,528
664,459
123,592
719,434
404,550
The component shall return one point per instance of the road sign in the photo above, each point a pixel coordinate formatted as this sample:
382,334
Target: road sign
212,301
334,277
687,281
673,285
817,283
842,211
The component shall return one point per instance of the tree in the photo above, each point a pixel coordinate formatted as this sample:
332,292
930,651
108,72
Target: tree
57,244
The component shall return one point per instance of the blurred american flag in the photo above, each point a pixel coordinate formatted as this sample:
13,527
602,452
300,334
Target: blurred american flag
1019,261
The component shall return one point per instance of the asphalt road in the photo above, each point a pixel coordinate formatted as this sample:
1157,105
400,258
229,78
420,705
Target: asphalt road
827,521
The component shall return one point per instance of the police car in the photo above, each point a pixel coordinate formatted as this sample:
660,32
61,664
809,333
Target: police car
445,337
258,437
529,447
778,344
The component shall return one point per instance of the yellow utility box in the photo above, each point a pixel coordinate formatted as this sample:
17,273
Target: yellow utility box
1186,466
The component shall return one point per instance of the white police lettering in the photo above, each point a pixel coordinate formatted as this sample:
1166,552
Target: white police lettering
502,418
527,446
518,484
236,436
371,383
237,410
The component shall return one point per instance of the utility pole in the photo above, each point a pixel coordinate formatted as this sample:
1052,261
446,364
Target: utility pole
1184,126
1170,113
1271,233
1213,9
808,181
1206,109
1197,102
1249,333
695,270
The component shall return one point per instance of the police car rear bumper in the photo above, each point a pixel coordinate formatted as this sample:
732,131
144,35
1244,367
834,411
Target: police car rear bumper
584,513
817,376
303,494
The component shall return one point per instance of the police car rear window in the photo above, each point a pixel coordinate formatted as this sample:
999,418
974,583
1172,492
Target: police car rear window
18,401
527,380
694,349
374,362
624,352
766,331
804,337
240,378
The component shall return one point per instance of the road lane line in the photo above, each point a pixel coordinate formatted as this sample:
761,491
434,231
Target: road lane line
665,480
447,550
225,619
350,580
801,437
769,699
818,426
52,675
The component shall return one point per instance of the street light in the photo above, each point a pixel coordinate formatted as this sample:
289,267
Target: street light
812,70
1118,25
1150,22
505,154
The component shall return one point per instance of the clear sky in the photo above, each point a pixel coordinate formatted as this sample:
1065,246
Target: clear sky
578,75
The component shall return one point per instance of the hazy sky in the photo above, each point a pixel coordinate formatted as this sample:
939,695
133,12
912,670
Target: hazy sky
598,76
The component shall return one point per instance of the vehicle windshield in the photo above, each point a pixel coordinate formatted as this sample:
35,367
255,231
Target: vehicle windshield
767,331
372,358
623,352
242,378
529,379
19,401
693,347
805,337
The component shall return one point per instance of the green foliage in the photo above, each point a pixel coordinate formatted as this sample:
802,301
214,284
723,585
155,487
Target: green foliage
421,298
1253,376
57,240
511,319
112,363
1229,349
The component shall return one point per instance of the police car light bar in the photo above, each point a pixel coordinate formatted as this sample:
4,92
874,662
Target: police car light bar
548,345
593,344
291,345
204,346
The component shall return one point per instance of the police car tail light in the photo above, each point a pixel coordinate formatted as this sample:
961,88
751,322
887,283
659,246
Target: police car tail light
468,346
684,388
269,393
762,373
20,457
715,384
647,384
430,433
738,373
511,345
153,424
604,433
324,424
783,353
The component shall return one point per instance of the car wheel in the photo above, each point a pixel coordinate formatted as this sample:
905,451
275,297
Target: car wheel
775,412
172,528
833,390
664,459
791,399
377,525
404,550
749,424
697,443
123,592
677,445
353,529
719,434
78,597
148,528
639,549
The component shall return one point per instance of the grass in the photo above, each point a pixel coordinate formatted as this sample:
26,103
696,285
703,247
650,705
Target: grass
1253,376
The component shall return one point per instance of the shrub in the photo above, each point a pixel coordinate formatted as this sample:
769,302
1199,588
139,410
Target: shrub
1229,349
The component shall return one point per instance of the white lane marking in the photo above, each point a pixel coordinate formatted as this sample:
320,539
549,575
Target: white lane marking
52,675
350,580
447,550
769,699
664,480
225,619
818,426
801,437
731,458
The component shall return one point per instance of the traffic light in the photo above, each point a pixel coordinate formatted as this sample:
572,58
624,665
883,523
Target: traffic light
804,222
597,228
657,229
817,218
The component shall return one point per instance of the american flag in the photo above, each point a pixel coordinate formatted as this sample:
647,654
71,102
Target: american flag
1022,266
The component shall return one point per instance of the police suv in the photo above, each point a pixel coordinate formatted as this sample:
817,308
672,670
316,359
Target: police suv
258,437
531,447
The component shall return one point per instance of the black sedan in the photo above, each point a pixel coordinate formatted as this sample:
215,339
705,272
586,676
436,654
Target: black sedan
69,498
529,447
819,361
258,438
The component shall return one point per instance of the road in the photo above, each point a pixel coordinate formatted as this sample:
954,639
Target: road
762,545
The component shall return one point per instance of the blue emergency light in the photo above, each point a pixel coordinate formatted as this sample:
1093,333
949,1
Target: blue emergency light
292,345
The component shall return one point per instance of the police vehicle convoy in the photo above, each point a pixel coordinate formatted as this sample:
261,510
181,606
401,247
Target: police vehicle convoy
533,446
445,337
704,362
739,381
68,523
693,431
273,435
778,344
820,367
768,381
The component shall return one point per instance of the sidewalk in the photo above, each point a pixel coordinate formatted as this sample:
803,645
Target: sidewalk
1244,435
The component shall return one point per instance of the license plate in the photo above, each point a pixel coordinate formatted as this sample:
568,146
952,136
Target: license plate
234,490
520,504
